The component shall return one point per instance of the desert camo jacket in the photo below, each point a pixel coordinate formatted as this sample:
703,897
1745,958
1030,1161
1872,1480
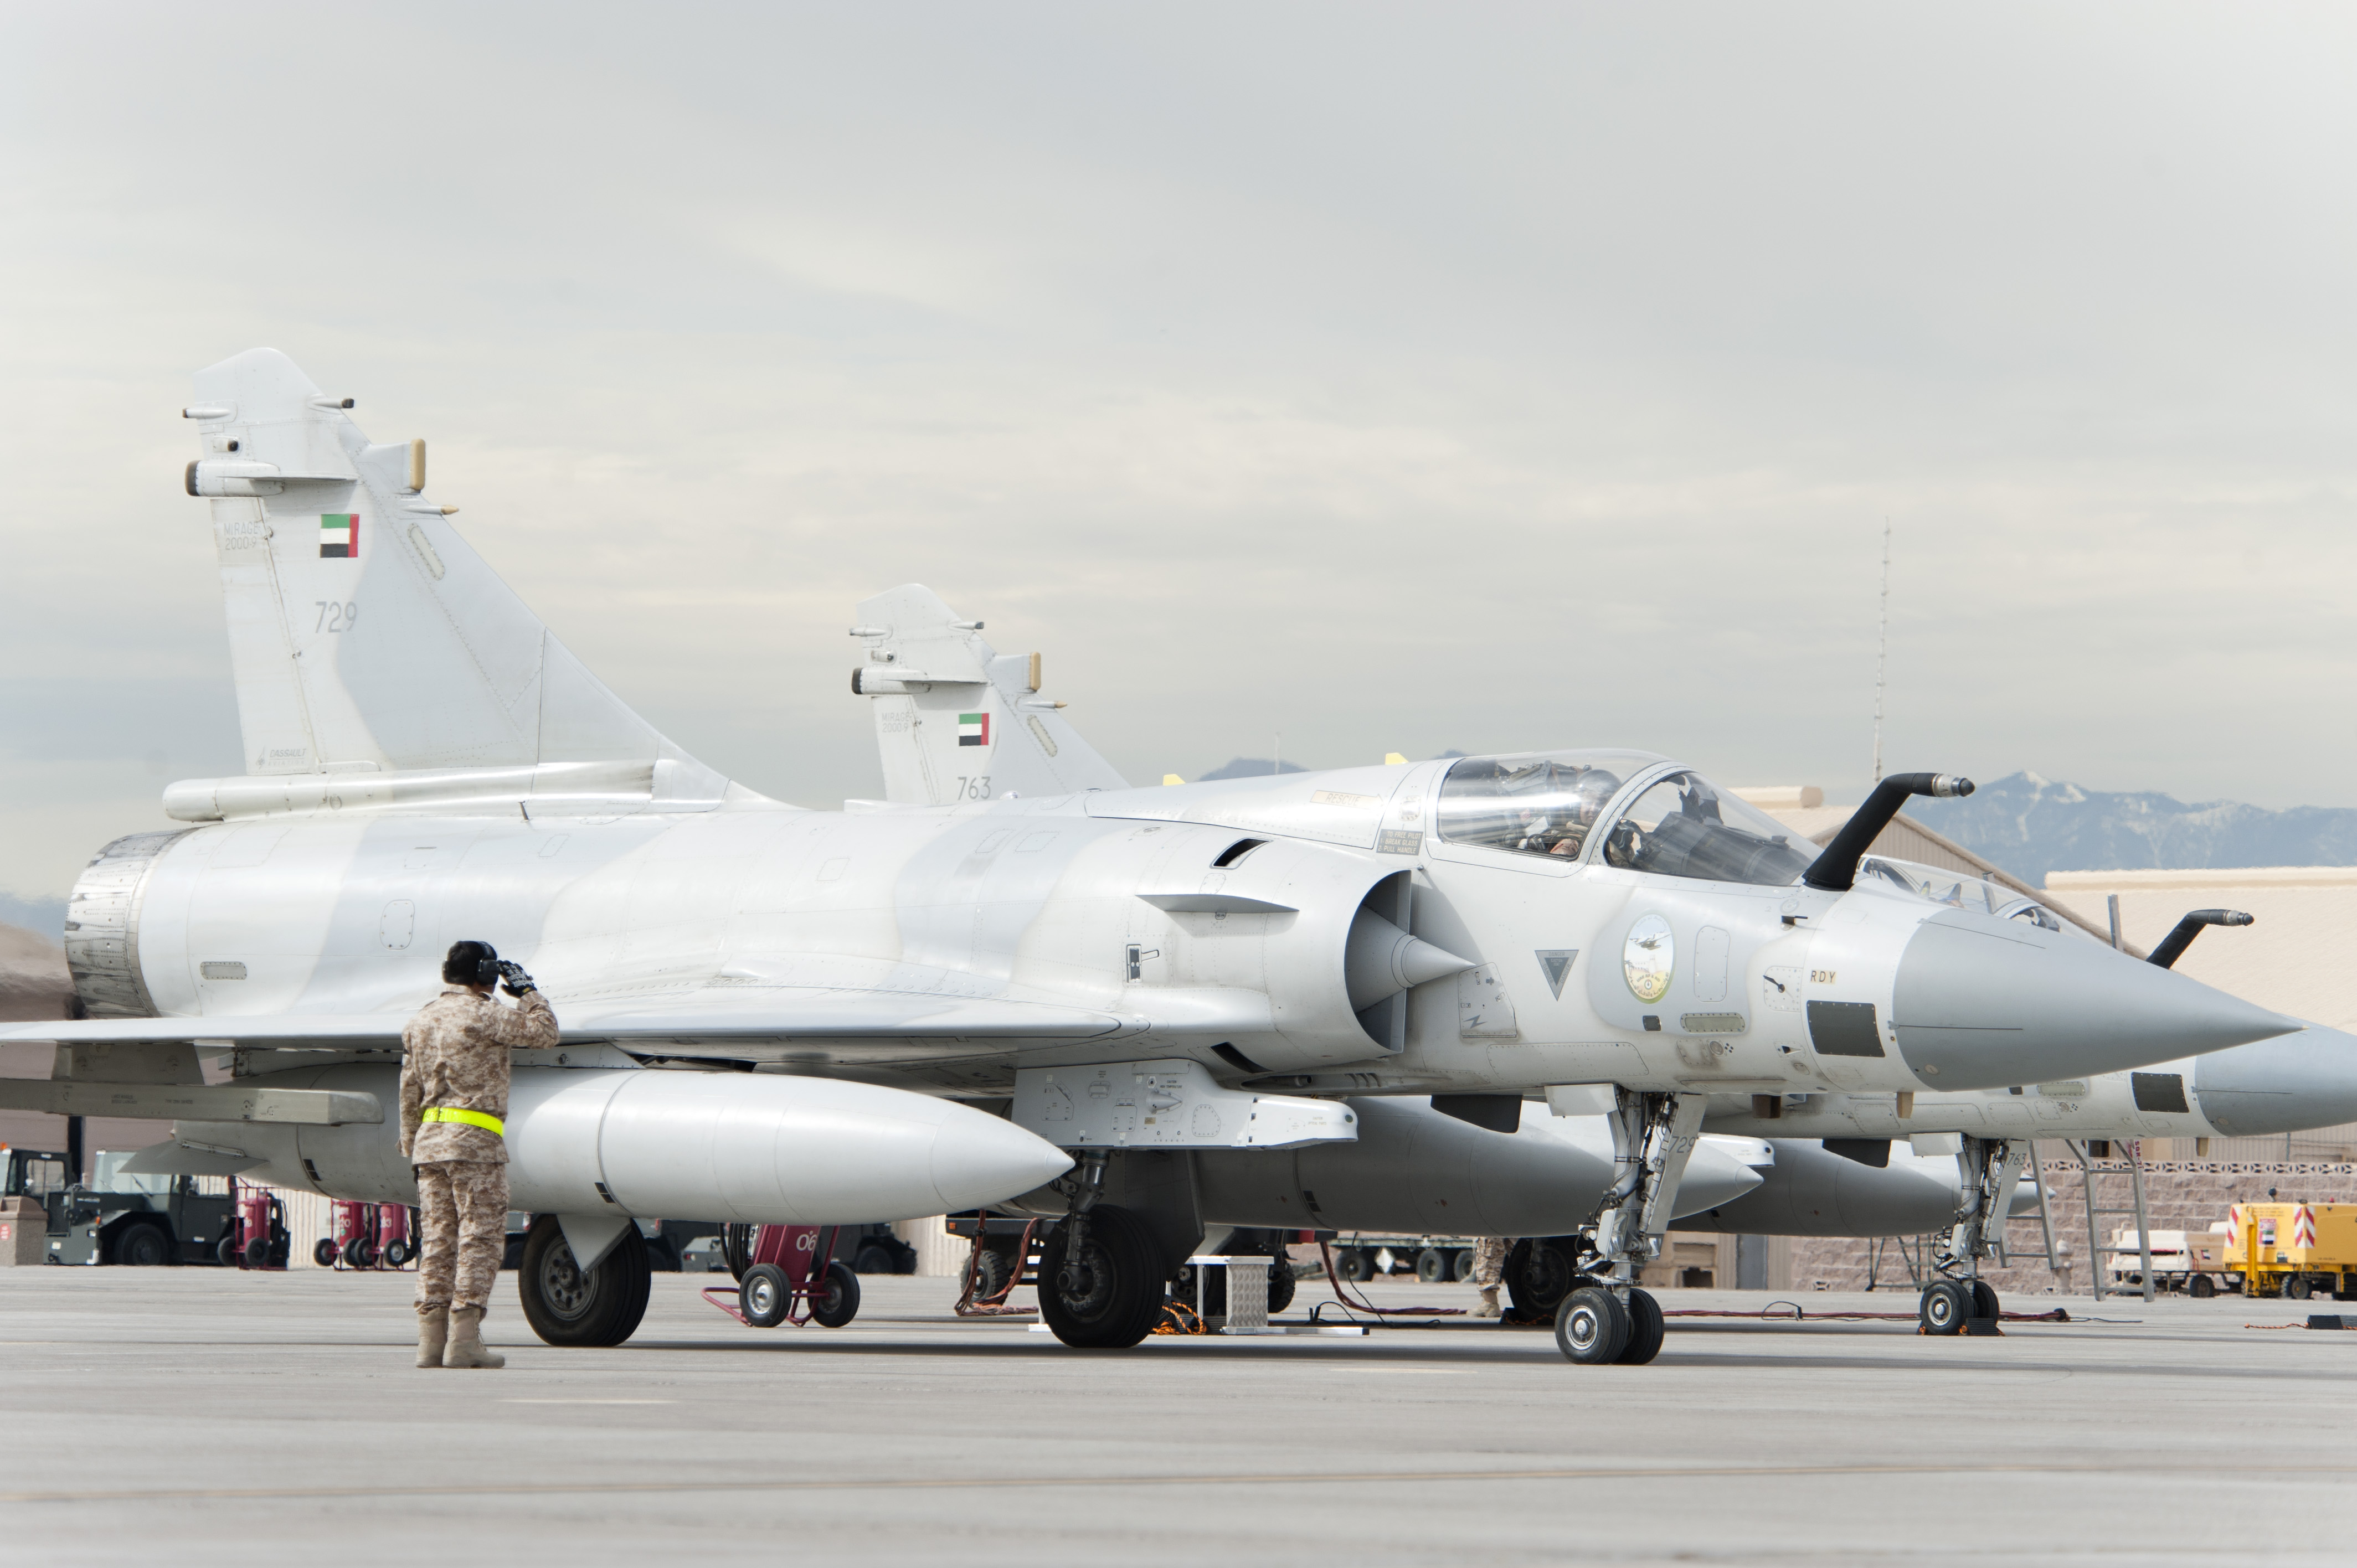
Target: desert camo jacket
455,1054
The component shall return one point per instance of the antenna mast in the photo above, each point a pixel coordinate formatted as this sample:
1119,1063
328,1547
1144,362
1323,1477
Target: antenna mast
1882,649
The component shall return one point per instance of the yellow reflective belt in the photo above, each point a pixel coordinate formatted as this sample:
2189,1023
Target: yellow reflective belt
488,1123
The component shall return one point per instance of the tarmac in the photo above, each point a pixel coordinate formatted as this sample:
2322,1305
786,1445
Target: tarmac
200,1415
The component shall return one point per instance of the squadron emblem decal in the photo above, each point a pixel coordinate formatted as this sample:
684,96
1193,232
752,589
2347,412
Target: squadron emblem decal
1648,958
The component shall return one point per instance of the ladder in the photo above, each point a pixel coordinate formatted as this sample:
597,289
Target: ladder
2098,1250
2045,1219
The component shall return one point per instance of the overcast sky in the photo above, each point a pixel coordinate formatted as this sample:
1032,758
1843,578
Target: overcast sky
1395,378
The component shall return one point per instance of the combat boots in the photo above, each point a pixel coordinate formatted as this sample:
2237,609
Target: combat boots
433,1333
465,1347
1488,1307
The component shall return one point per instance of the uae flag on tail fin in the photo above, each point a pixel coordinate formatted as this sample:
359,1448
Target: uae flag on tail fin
974,729
340,535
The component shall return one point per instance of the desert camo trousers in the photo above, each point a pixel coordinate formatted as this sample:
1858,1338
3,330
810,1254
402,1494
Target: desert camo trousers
1489,1260
462,1222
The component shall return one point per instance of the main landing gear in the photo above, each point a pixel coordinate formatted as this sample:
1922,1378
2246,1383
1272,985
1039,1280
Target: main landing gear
1101,1279
568,1304
1989,1169
1605,1318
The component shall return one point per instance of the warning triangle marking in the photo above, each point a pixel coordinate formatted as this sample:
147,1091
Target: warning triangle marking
1557,964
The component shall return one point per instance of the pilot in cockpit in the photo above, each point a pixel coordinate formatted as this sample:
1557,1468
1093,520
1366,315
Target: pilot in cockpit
1561,823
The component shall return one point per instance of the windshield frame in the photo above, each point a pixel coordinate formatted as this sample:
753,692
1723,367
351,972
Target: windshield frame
1592,853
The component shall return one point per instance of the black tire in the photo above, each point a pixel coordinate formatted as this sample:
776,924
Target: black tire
359,1253
1432,1266
1646,1328
143,1247
568,1308
1944,1307
325,1253
873,1260
1984,1301
1280,1284
2202,1287
764,1296
1460,1264
397,1254
992,1270
1117,1294
836,1301
257,1252
2297,1287
736,1250
224,1251
1539,1276
1353,1264
1591,1328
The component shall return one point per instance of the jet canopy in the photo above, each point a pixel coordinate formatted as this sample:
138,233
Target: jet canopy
1581,804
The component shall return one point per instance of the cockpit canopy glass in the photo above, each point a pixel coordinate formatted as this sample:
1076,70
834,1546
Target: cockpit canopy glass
1681,825
1533,803
1954,888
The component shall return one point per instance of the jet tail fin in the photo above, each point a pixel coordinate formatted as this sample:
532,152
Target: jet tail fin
366,635
956,720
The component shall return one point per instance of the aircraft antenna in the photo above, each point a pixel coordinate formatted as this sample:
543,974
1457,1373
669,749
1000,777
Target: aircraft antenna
1882,649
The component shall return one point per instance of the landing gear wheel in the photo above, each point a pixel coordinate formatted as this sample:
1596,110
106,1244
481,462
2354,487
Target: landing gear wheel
1108,1297
763,1295
325,1253
1280,1284
2297,1287
1984,1302
2202,1287
1944,1307
568,1305
144,1246
1539,1276
836,1301
1646,1328
1591,1328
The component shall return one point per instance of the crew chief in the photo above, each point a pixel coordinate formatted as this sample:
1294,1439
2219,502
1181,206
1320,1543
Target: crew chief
454,1107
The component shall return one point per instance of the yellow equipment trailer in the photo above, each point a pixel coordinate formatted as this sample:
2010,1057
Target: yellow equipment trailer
2293,1250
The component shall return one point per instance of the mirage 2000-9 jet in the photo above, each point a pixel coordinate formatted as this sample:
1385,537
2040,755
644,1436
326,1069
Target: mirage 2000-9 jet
1823,1157
784,1016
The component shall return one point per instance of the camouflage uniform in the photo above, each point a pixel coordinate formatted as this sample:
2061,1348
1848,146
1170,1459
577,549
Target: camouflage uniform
455,1058
1490,1272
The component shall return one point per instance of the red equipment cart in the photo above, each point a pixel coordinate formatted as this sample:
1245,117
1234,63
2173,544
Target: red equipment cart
791,1276
257,1237
368,1236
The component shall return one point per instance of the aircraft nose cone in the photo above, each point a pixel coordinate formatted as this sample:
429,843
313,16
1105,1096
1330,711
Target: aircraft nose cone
2282,1085
1989,1003
979,1159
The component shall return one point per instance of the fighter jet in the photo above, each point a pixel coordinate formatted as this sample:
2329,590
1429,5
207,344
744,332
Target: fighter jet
1137,976
1824,1156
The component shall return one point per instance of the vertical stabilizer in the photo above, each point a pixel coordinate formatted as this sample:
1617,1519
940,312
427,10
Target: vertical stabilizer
954,719
365,633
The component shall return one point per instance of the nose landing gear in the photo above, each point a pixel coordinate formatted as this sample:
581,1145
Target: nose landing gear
1989,1168
1607,1318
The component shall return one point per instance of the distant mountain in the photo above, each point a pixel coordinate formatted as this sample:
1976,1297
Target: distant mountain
1250,768
2031,826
